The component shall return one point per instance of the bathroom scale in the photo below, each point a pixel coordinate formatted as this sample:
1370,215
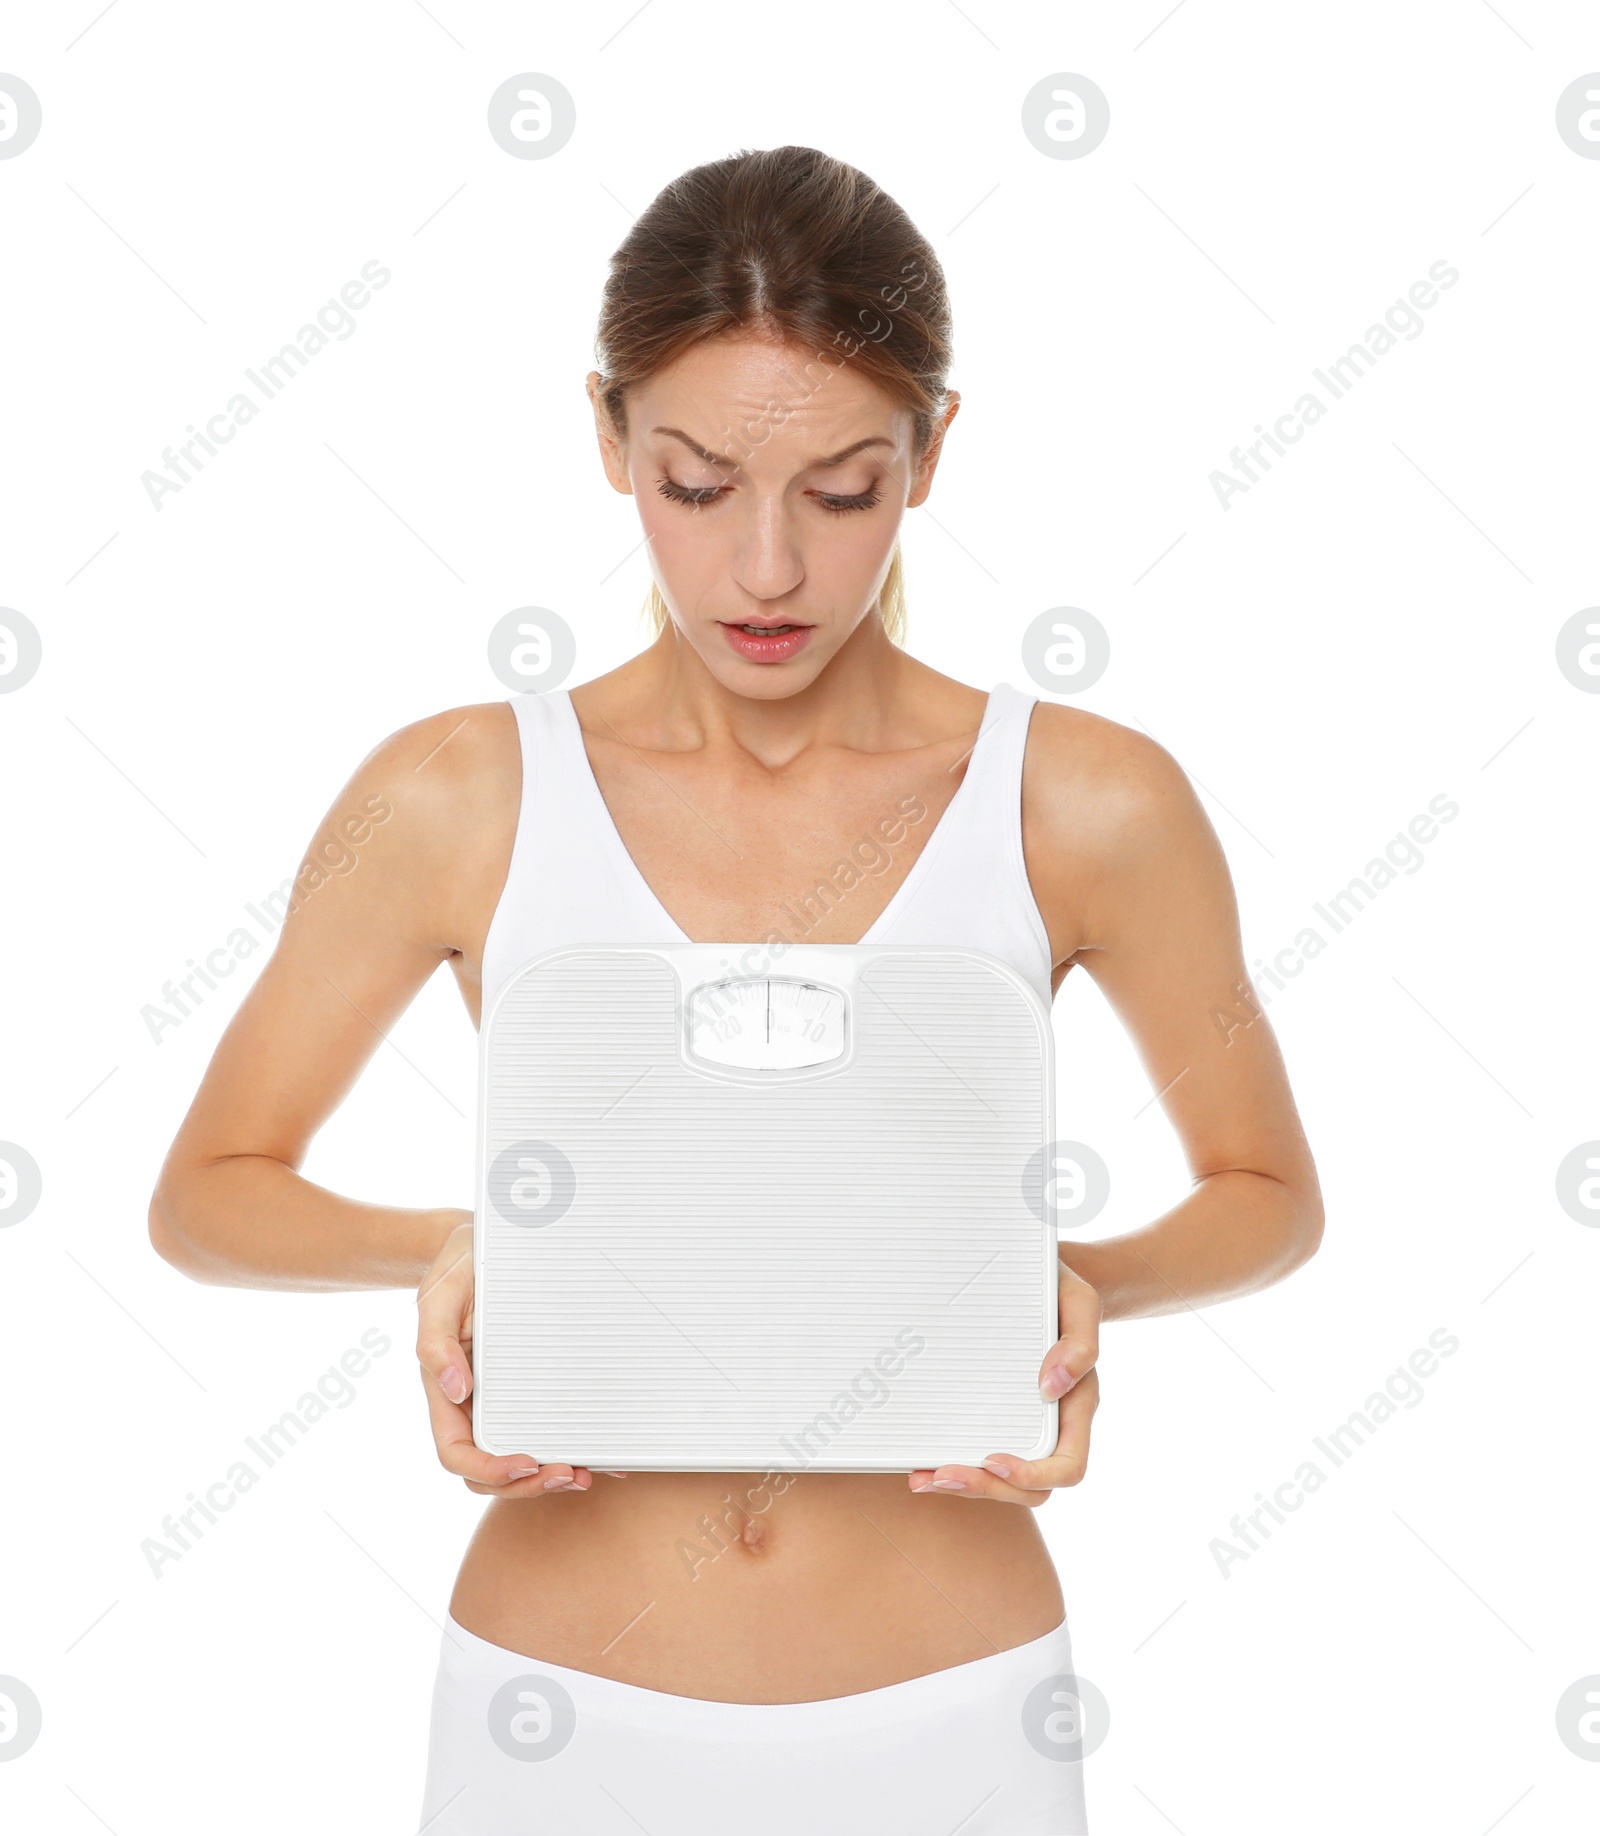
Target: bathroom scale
764,1208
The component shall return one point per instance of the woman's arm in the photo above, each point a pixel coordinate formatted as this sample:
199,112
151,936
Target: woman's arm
1120,834
371,921
436,805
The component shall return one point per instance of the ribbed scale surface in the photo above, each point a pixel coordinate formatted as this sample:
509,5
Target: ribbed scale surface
745,1271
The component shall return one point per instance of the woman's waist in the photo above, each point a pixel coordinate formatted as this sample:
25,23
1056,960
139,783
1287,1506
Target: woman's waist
717,1584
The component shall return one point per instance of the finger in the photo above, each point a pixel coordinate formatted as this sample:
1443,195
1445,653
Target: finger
444,1315
1077,1349
460,1454
1017,1481
444,1303
956,1481
461,1257
556,1477
445,1360
1070,1460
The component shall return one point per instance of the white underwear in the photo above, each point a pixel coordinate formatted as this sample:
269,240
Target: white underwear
522,1747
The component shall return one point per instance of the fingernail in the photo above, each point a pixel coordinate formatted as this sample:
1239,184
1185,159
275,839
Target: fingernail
1055,1382
453,1384
562,1485
522,1472
997,1467
926,1486
949,1485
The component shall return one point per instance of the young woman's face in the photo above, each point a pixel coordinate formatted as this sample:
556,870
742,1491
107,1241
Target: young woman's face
770,487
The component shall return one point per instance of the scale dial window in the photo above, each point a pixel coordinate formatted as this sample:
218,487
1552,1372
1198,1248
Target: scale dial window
766,1023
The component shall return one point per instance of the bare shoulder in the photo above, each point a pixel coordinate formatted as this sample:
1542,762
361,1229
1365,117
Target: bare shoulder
446,790
458,756
1107,810
446,771
1093,778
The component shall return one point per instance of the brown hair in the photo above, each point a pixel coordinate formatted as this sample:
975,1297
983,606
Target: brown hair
792,244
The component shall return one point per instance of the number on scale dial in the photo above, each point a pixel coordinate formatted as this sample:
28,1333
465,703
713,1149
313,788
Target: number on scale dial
764,1023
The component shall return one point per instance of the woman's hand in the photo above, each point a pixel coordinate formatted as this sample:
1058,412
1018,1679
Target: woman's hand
444,1350
1068,1372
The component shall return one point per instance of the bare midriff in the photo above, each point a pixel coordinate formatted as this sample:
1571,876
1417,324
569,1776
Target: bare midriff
752,1587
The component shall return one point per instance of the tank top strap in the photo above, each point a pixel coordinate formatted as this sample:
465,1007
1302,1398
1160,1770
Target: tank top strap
999,760
568,880
976,890
987,806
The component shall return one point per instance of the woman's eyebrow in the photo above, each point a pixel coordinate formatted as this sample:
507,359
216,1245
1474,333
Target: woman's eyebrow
838,458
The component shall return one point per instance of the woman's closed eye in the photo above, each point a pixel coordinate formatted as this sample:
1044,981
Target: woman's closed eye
685,494
862,501
698,496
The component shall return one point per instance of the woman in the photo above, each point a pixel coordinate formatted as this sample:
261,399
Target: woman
774,342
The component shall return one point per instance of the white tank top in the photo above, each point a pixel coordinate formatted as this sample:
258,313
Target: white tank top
572,881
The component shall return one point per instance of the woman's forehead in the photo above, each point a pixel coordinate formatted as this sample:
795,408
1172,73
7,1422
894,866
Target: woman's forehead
722,395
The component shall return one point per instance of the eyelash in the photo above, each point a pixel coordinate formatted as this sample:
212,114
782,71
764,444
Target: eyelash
698,499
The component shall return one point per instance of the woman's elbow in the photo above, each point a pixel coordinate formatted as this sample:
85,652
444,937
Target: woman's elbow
167,1236
1302,1234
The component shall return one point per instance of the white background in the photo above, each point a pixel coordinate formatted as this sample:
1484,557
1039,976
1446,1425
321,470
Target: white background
1372,625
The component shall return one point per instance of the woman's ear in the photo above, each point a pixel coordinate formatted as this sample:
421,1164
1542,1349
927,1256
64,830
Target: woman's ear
922,481
612,455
